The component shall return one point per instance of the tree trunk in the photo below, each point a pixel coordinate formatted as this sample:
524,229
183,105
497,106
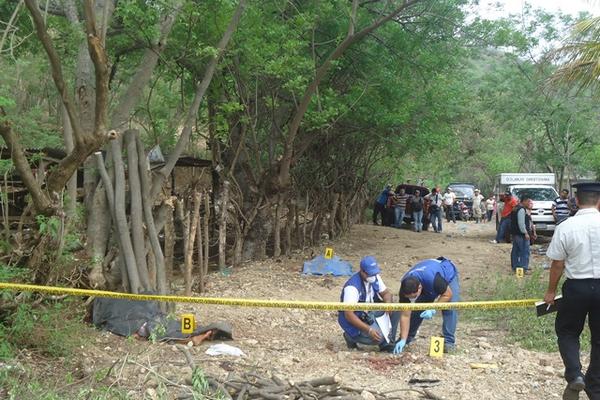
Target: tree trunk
71,201
189,249
239,244
152,226
205,227
289,223
277,227
110,195
135,207
315,229
305,219
223,225
183,216
200,247
169,244
151,263
127,253
332,215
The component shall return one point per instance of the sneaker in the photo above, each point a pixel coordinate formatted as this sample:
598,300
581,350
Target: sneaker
450,349
494,241
349,342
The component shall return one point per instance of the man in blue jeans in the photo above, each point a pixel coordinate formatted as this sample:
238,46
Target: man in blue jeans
429,281
435,209
520,230
366,286
509,202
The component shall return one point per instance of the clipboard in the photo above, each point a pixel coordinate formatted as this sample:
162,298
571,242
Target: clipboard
385,324
542,308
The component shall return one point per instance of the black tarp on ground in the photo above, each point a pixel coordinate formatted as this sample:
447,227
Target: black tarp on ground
126,317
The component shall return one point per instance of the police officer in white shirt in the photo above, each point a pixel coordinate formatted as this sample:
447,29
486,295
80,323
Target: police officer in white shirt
575,250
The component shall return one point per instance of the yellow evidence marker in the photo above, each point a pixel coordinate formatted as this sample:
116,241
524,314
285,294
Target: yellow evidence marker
519,272
436,348
328,252
188,323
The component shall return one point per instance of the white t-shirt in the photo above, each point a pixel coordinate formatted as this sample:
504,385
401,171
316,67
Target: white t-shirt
449,198
351,294
577,242
490,204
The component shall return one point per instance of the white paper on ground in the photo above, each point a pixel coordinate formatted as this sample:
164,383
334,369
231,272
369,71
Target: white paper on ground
385,324
223,349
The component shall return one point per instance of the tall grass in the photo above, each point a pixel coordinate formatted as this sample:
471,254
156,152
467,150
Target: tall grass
522,325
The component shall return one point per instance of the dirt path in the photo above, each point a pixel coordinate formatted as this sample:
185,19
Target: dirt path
298,344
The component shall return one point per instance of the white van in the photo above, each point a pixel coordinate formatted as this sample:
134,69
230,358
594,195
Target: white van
540,188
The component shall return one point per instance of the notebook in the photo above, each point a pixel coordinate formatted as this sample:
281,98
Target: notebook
542,308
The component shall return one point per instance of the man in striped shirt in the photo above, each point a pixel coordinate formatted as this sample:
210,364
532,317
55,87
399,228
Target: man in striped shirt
560,207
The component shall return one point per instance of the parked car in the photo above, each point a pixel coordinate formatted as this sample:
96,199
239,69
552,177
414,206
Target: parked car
464,193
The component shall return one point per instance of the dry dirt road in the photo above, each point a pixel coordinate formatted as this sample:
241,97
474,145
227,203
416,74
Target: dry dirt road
298,344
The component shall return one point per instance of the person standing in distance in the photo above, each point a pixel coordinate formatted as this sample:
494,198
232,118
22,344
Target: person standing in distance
428,281
366,286
575,251
560,207
380,202
520,230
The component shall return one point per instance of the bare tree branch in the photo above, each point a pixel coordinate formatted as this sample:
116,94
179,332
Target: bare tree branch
143,74
165,171
56,67
9,25
283,179
40,200
100,60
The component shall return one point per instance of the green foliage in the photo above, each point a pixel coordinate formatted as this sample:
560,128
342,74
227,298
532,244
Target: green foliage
199,383
8,273
33,387
201,388
48,225
48,330
521,324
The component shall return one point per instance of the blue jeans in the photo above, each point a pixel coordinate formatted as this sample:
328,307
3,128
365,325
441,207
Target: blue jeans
398,216
366,339
436,220
519,256
418,219
503,228
450,317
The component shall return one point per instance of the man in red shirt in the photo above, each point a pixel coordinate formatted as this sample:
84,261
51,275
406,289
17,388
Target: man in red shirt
510,202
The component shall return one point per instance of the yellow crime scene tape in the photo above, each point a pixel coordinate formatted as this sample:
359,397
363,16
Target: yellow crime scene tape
306,305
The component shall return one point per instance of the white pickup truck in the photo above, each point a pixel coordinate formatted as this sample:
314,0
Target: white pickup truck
540,188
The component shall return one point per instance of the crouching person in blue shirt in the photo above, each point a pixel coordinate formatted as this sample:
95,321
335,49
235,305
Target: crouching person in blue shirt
370,328
426,282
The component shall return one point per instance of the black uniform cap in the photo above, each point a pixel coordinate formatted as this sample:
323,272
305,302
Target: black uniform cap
587,186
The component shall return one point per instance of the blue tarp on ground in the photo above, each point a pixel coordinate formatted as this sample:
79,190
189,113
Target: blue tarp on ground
323,266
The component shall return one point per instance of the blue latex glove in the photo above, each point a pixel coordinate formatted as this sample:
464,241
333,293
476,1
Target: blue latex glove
427,314
399,346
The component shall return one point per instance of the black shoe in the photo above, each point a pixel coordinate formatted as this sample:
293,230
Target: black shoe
573,388
387,348
349,342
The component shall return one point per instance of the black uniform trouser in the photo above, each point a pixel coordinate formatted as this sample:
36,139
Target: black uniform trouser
378,209
581,298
